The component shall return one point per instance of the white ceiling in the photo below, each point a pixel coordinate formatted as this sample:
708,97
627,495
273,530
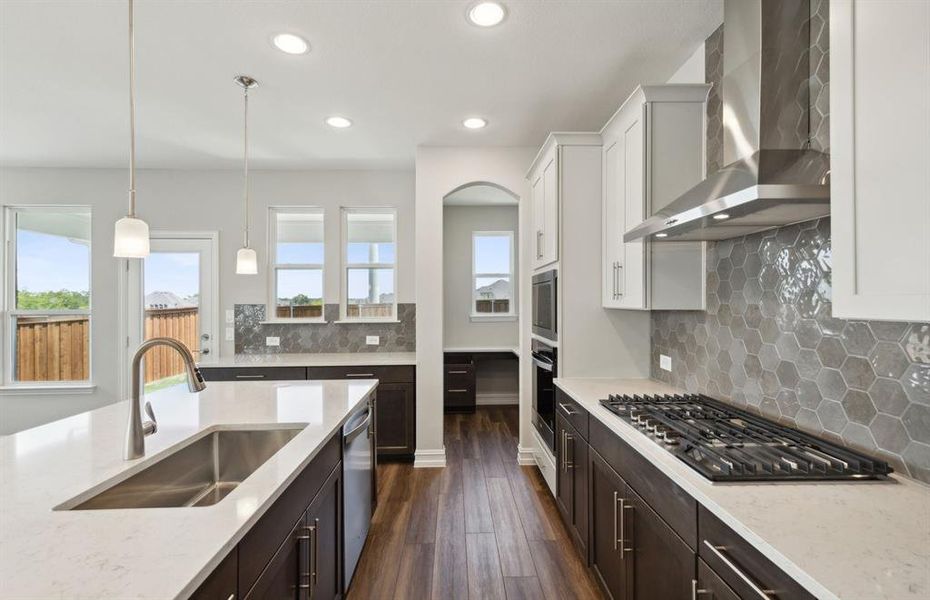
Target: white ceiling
406,72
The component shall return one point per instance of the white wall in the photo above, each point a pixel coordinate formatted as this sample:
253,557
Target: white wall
193,200
459,330
692,70
438,172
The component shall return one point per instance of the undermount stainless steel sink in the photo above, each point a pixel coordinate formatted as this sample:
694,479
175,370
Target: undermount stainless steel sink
199,474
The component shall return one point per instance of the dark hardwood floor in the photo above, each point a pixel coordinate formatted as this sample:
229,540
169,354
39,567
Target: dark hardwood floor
483,527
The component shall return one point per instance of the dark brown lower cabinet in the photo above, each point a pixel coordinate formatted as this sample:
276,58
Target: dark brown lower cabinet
572,480
324,518
287,570
709,586
222,583
634,554
396,420
607,552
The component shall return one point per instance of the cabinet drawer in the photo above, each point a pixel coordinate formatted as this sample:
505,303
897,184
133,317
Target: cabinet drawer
740,565
221,583
572,411
263,540
253,373
709,585
458,358
390,374
672,503
459,382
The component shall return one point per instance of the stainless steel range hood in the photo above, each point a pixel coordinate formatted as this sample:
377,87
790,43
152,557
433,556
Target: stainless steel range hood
772,177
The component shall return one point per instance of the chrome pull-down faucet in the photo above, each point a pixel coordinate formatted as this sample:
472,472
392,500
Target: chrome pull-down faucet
137,429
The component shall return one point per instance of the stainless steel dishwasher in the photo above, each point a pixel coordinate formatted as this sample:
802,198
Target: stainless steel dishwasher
358,464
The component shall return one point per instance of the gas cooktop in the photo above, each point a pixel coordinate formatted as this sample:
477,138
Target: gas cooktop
724,443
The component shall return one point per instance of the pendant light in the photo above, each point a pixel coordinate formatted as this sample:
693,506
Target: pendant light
246,259
131,234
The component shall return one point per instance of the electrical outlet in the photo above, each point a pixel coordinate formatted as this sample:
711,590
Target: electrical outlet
230,316
230,334
665,362
272,341
372,340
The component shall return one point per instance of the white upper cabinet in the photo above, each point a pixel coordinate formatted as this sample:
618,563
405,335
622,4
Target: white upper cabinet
544,177
653,151
879,134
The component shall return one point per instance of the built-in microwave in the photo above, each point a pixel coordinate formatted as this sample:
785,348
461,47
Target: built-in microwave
544,305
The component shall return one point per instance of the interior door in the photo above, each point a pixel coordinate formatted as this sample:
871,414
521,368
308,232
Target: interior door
172,293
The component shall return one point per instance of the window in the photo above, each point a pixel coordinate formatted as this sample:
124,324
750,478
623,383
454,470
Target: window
369,259
48,295
492,274
296,263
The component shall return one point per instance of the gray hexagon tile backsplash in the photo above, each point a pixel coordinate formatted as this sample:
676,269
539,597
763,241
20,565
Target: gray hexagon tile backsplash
769,342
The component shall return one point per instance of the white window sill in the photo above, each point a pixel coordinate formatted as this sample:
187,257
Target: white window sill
293,321
492,318
48,388
351,321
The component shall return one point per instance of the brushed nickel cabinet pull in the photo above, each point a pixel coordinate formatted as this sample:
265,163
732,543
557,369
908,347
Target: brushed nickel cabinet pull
566,408
457,372
695,591
360,374
569,442
456,391
719,552
250,376
616,501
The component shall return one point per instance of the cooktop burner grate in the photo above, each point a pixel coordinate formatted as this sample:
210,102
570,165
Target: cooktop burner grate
724,443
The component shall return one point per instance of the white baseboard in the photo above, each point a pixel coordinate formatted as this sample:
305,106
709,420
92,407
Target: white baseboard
492,399
424,459
526,456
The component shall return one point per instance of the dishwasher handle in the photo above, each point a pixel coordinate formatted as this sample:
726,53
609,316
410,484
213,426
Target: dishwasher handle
357,430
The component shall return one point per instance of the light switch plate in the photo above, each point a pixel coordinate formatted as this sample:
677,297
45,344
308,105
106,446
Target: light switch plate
272,341
665,362
230,316
373,340
230,334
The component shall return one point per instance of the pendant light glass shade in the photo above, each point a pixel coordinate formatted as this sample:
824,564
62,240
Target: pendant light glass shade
246,262
131,234
131,238
246,259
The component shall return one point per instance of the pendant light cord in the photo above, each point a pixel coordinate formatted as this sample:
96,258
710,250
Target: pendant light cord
132,116
245,152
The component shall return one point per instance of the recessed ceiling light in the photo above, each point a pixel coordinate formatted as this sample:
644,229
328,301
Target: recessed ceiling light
338,122
474,123
721,216
487,14
661,235
291,44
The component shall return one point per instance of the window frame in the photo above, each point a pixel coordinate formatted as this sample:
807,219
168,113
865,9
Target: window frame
9,313
345,265
271,312
511,314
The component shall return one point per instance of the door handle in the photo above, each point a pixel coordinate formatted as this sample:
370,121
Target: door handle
205,351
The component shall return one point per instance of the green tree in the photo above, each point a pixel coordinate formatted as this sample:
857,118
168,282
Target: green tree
60,300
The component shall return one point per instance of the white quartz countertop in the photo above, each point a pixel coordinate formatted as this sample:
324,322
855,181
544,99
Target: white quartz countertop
340,359
156,553
850,540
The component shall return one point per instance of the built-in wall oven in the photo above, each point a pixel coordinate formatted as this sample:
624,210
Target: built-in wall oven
545,369
544,305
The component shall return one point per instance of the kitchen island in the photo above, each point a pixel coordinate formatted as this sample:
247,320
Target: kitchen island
154,552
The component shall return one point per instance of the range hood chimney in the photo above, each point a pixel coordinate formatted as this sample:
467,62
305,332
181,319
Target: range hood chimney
772,177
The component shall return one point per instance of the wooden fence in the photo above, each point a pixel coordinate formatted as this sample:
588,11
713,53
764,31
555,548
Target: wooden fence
182,324
57,348
52,348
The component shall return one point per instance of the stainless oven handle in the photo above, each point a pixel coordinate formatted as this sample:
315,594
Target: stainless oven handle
542,365
719,553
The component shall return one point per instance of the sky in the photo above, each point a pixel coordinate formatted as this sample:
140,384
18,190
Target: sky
51,263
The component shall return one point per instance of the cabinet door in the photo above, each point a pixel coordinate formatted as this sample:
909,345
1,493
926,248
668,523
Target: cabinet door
323,519
880,181
608,562
630,184
221,584
396,419
577,464
288,570
550,237
612,224
564,482
663,565
539,219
